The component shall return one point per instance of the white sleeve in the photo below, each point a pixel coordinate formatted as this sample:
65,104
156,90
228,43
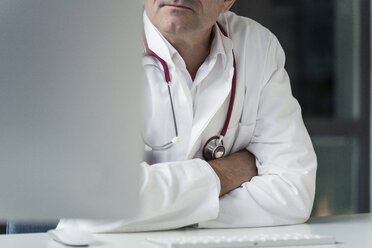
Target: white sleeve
178,194
173,195
283,191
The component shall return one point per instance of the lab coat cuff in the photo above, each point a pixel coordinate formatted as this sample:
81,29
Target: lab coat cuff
213,174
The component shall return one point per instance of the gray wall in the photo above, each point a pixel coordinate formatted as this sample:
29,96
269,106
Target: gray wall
371,106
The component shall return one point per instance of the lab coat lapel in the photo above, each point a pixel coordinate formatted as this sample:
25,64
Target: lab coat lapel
209,104
213,94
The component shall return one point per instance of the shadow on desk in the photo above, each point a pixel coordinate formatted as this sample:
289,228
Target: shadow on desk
352,218
2,228
14,227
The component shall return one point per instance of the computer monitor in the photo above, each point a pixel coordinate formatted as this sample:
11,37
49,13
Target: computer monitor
70,76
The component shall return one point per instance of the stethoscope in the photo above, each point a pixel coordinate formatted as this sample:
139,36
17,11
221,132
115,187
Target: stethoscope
213,148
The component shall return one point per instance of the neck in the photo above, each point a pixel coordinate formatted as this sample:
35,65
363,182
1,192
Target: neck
194,49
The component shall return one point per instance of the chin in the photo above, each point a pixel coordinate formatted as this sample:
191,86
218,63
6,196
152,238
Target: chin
176,26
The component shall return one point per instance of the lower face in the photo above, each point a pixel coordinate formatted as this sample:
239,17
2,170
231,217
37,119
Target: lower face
183,17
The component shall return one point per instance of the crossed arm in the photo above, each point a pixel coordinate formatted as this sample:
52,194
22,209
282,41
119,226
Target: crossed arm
234,170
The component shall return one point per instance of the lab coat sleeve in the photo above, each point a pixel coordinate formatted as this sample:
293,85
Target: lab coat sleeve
172,195
283,191
178,194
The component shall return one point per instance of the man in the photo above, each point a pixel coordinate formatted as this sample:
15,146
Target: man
267,176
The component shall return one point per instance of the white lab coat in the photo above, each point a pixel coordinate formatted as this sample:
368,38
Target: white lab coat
178,187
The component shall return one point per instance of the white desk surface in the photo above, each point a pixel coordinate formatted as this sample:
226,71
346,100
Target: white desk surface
349,230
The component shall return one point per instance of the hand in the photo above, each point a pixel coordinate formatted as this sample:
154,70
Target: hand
234,170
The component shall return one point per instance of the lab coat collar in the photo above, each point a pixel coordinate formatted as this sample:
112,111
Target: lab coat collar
221,45
157,42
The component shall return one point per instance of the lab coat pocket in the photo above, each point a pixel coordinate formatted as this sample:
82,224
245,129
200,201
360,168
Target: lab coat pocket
243,136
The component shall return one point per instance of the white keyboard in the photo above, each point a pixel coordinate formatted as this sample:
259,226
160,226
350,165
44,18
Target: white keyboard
263,240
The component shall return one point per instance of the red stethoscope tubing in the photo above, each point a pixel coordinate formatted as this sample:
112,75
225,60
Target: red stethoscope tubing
162,62
149,52
233,90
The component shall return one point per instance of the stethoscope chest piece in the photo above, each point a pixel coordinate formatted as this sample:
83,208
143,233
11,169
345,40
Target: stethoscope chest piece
213,149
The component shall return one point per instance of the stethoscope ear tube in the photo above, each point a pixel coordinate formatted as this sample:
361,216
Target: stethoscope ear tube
149,148
167,78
